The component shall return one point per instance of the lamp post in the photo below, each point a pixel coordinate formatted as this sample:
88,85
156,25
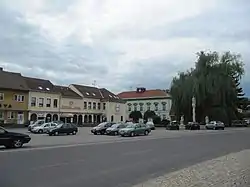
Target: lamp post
193,107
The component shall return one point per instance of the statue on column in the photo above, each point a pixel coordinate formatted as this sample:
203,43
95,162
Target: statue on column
206,120
182,120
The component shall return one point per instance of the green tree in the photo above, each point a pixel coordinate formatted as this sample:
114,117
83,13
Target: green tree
149,114
135,115
213,83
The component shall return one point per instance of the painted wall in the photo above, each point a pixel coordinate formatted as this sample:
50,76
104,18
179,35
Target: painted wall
38,95
117,110
162,113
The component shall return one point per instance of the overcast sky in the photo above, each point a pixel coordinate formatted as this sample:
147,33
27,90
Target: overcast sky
119,43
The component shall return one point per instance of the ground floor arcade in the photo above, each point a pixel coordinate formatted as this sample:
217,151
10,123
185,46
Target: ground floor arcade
67,117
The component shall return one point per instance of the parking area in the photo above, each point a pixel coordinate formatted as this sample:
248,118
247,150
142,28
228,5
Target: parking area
85,136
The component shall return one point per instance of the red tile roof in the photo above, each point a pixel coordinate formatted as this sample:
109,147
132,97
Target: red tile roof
146,94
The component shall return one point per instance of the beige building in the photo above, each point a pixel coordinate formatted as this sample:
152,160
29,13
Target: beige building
100,104
44,100
143,100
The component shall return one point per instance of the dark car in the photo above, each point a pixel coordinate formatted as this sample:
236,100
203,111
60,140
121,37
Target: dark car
101,128
12,139
114,129
192,126
65,128
173,125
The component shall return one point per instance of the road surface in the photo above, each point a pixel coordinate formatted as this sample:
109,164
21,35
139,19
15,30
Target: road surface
115,164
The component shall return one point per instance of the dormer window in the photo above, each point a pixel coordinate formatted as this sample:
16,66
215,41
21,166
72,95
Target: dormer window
48,89
93,94
40,88
110,96
87,93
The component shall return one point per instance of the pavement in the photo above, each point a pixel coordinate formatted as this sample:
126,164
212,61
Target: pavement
93,161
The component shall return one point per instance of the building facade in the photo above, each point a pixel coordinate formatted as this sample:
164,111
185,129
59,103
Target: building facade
13,98
100,104
44,100
144,100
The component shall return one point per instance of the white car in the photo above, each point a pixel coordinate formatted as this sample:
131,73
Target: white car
44,128
215,125
151,125
35,123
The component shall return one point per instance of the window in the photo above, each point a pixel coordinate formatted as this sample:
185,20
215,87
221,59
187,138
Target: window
164,106
104,106
19,98
141,107
11,115
129,107
112,118
89,105
94,106
40,102
121,118
85,105
1,115
1,96
156,106
99,106
135,107
33,101
148,108
48,104
55,103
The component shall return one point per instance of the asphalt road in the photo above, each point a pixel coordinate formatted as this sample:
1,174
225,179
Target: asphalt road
114,164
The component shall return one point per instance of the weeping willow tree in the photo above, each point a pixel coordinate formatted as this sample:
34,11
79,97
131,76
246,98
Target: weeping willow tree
214,81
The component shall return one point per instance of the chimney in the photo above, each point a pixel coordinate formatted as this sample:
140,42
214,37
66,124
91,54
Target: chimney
1,68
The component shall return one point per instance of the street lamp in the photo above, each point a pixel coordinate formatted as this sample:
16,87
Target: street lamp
193,107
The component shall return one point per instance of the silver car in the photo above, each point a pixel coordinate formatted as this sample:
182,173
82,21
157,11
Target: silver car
44,128
215,125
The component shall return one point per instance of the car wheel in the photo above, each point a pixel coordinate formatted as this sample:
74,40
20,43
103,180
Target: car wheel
74,132
17,143
95,133
132,134
116,133
222,128
56,133
146,133
50,134
40,131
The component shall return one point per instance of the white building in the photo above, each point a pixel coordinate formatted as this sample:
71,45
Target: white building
143,100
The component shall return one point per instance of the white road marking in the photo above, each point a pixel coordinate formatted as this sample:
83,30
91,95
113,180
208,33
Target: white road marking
176,134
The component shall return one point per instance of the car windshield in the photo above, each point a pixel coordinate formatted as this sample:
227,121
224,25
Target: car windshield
59,125
101,124
115,125
131,126
2,129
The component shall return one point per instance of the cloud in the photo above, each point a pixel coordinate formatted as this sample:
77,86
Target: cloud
118,43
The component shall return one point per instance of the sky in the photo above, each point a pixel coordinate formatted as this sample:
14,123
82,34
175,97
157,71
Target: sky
120,44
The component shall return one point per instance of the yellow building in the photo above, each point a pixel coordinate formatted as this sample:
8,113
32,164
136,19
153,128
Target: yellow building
13,98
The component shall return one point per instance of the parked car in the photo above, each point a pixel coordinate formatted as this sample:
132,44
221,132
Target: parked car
114,129
101,128
192,126
135,130
173,125
151,125
63,128
239,123
35,123
12,139
44,128
215,125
